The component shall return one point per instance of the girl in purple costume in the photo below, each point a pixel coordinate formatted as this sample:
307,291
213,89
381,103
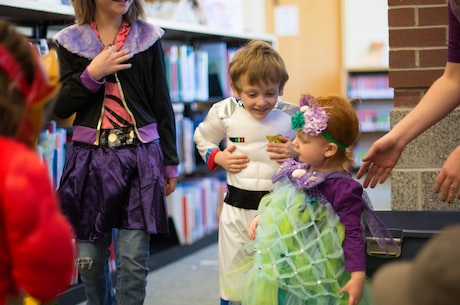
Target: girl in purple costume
123,159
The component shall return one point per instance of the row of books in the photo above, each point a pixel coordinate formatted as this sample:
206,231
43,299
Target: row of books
196,73
373,120
195,207
369,86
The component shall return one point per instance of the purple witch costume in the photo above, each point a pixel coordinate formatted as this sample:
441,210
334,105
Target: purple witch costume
114,178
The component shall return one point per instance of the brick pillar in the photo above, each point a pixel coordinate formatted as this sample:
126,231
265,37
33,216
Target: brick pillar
418,52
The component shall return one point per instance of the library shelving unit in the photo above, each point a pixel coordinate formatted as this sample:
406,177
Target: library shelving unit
373,100
38,19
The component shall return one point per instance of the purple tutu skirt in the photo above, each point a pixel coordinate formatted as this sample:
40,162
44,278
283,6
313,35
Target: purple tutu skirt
120,187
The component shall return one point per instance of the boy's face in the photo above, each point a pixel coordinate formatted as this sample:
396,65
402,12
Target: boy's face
258,100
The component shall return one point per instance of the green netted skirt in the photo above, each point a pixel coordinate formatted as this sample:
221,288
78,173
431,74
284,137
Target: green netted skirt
297,254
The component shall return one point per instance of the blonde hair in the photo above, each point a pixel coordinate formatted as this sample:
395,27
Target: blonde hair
85,11
260,62
342,125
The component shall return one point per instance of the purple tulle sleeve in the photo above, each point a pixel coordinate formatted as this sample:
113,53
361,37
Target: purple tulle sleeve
375,226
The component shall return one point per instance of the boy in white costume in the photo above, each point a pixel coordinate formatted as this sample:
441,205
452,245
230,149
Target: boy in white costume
255,126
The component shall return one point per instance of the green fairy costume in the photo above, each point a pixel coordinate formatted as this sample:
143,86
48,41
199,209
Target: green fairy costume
310,234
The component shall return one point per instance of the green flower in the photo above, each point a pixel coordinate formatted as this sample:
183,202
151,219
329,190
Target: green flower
297,121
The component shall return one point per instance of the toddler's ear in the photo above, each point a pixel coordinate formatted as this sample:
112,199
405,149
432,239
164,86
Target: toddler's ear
331,150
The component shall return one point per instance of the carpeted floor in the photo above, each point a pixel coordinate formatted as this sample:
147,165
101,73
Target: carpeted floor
192,280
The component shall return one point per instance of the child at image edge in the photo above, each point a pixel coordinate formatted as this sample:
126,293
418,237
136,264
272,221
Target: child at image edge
255,126
308,237
37,252
123,160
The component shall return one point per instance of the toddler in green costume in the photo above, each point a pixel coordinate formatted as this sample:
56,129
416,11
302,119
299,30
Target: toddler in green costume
308,238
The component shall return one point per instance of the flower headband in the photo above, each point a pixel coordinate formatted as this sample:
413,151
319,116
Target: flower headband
312,120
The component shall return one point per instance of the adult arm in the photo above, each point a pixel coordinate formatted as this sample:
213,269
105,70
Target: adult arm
442,98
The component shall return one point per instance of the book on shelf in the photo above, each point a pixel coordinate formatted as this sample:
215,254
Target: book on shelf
188,145
217,66
179,142
201,76
185,145
51,147
186,68
194,207
172,71
186,73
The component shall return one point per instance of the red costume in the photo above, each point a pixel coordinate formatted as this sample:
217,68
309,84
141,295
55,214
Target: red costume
36,241
36,251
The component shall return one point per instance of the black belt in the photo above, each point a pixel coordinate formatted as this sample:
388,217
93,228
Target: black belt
118,137
243,199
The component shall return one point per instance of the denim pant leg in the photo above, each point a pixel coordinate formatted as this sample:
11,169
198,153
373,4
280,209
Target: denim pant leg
133,251
94,271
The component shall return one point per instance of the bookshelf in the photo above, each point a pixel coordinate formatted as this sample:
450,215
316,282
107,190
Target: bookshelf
366,61
373,100
199,192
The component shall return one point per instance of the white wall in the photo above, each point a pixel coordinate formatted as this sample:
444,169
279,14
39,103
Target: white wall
364,22
254,16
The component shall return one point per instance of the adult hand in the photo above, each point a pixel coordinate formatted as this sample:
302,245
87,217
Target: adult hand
109,61
231,162
380,160
448,180
281,150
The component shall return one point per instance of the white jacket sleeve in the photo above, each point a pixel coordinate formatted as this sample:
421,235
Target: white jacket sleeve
212,131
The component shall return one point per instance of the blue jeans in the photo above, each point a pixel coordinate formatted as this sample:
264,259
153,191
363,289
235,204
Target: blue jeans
132,252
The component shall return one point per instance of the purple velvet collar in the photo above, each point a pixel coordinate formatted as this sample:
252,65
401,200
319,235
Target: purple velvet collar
81,40
302,177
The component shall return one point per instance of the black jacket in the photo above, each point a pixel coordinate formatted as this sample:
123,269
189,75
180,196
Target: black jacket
144,85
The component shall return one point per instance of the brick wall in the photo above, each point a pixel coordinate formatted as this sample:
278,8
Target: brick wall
418,47
418,36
